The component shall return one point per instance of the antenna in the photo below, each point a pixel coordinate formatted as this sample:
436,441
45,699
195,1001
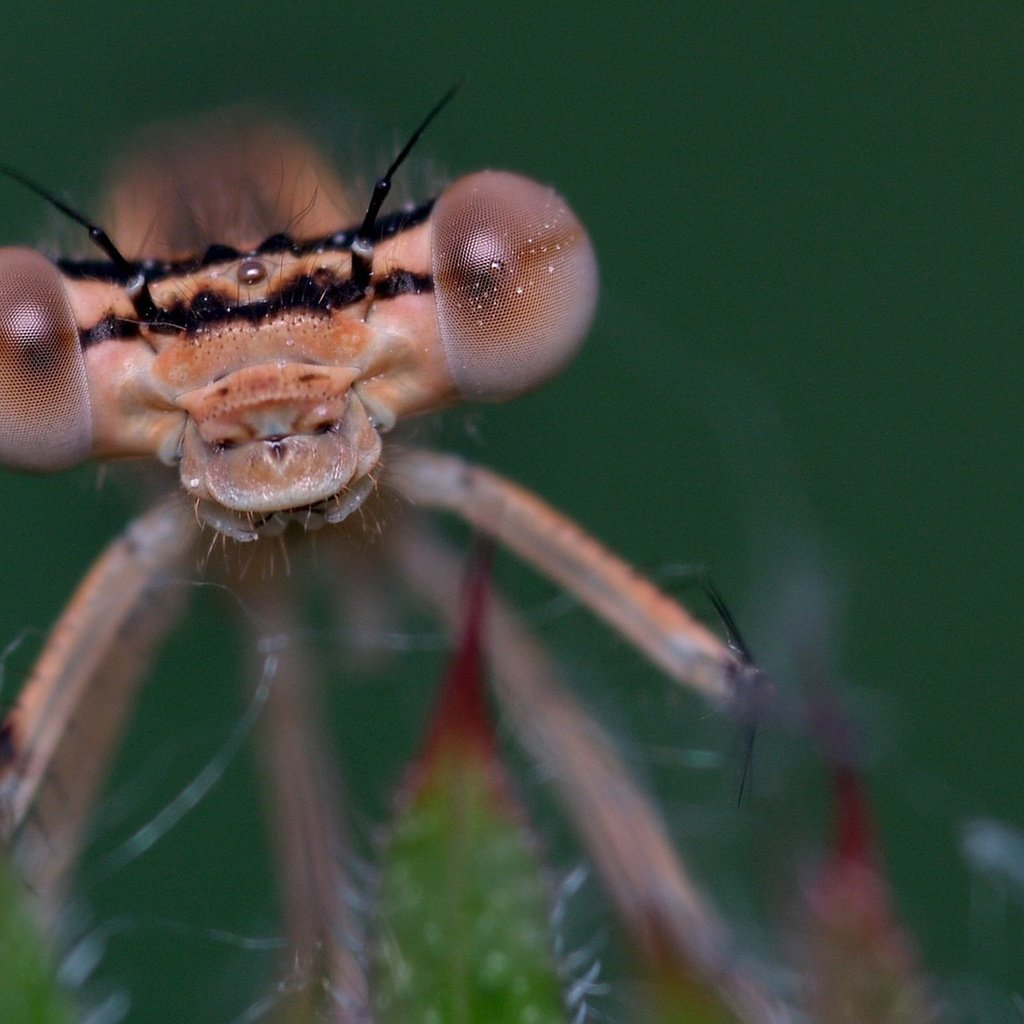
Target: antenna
749,675
135,280
733,636
362,245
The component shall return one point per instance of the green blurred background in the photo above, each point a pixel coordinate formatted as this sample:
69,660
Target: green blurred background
805,375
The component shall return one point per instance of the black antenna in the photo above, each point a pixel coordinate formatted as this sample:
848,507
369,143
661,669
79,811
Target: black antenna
733,637
749,674
362,245
135,286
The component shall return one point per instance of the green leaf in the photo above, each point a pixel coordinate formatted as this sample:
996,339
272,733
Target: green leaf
28,990
674,997
463,919
464,934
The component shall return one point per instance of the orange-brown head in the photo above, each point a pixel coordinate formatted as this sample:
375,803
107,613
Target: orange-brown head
269,374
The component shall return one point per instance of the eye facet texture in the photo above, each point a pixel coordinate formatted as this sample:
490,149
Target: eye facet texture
515,281
44,394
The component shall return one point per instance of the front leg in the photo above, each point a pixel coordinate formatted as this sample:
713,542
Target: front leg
62,731
553,544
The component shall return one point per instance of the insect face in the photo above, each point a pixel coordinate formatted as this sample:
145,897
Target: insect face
269,375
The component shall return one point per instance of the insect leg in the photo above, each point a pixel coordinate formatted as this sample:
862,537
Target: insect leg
322,923
62,731
622,832
659,626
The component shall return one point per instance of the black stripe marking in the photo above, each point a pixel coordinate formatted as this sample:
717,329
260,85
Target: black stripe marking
305,293
156,270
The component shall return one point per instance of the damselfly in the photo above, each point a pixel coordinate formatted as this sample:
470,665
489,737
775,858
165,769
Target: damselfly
254,330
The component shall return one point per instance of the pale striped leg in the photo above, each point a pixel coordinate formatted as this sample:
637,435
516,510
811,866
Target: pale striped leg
304,796
659,626
621,831
62,732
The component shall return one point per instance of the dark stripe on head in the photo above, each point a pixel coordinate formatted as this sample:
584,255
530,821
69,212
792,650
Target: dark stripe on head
310,294
156,270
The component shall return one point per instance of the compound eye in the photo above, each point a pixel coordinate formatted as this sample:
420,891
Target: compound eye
515,283
44,396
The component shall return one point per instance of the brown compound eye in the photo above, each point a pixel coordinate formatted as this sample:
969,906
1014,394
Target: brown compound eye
515,283
45,418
